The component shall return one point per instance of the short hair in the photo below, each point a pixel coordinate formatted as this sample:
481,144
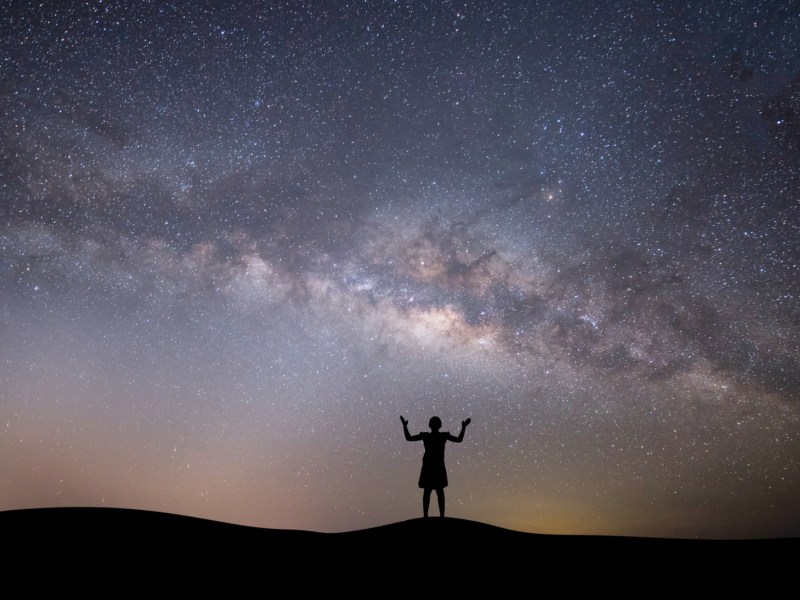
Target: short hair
435,423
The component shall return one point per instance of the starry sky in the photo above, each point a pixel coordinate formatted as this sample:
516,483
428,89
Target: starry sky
240,239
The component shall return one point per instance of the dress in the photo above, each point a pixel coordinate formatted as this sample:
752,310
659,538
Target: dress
433,474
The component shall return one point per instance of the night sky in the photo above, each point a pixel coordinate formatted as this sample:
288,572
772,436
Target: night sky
239,240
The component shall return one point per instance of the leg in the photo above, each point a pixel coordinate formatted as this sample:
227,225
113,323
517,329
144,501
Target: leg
440,497
426,501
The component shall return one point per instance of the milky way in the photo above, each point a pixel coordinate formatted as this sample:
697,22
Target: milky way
239,241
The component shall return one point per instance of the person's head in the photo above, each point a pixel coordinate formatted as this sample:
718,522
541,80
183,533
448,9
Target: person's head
435,423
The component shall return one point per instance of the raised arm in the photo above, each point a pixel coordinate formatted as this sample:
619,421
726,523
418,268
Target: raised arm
409,437
460,437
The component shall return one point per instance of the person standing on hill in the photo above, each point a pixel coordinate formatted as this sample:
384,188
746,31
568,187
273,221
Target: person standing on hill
433,475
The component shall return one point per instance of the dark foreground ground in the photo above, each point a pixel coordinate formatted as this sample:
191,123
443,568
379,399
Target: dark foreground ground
90,547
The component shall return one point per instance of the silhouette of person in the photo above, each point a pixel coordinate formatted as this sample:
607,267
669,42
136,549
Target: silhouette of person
433,475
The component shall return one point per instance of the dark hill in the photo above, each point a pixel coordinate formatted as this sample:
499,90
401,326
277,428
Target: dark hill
143,544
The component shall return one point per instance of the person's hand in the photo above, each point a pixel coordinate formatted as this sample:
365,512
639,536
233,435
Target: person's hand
404,421
465,423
